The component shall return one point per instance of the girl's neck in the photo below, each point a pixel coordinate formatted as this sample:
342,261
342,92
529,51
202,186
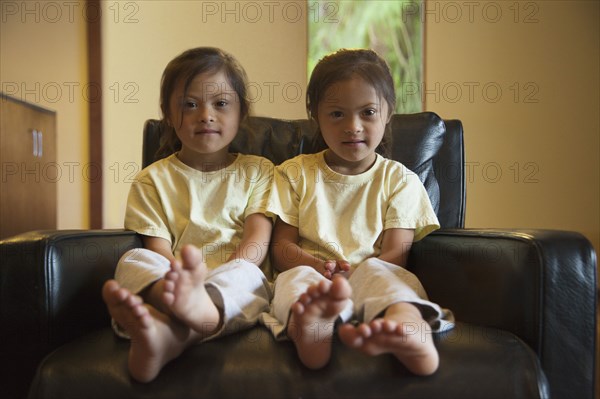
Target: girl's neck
206,162
344,167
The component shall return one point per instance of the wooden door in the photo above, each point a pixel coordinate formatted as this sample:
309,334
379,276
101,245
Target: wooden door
30,173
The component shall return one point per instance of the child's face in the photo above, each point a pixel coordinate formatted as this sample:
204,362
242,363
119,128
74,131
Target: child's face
206,120
352,119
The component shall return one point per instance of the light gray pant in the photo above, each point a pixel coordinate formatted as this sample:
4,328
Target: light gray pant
238,288
376,285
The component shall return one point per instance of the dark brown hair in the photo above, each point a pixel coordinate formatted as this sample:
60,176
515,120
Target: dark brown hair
343,65
184,68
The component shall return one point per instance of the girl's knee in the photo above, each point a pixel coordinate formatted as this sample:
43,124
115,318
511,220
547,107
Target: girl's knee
141,264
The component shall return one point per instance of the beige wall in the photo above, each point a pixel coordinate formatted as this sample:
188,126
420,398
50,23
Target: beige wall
524,79
43,61
141,37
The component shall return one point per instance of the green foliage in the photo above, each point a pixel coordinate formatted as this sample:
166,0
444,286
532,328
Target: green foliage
380,25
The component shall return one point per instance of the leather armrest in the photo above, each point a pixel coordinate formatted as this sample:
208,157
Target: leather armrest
50,285
538,284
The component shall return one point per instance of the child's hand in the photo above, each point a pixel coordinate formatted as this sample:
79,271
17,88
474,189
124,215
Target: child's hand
336,266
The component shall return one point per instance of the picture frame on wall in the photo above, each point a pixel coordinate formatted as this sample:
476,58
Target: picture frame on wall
392,28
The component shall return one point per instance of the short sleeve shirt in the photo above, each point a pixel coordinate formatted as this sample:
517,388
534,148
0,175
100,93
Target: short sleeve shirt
343,217
183,205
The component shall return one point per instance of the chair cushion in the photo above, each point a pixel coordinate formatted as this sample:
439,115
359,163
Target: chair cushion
416,140
275,139
476,362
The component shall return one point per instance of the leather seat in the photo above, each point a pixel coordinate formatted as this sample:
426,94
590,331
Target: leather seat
524,301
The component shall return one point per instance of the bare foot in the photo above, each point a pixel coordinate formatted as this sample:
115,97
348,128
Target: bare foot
408,337
312,320
149,330
185,294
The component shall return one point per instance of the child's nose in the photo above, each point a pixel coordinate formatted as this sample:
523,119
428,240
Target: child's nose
353,125
205,114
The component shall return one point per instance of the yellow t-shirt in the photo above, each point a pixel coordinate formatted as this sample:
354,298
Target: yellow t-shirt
186,206
343,217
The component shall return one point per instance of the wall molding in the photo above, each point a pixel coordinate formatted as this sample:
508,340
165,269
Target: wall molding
94,58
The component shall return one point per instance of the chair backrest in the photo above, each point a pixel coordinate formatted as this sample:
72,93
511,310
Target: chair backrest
429,146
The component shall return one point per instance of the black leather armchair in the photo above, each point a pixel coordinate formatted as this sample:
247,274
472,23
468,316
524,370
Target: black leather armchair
524,300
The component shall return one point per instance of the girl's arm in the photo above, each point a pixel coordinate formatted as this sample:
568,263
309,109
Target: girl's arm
286,251
395,246
254,246
288,254
158,245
